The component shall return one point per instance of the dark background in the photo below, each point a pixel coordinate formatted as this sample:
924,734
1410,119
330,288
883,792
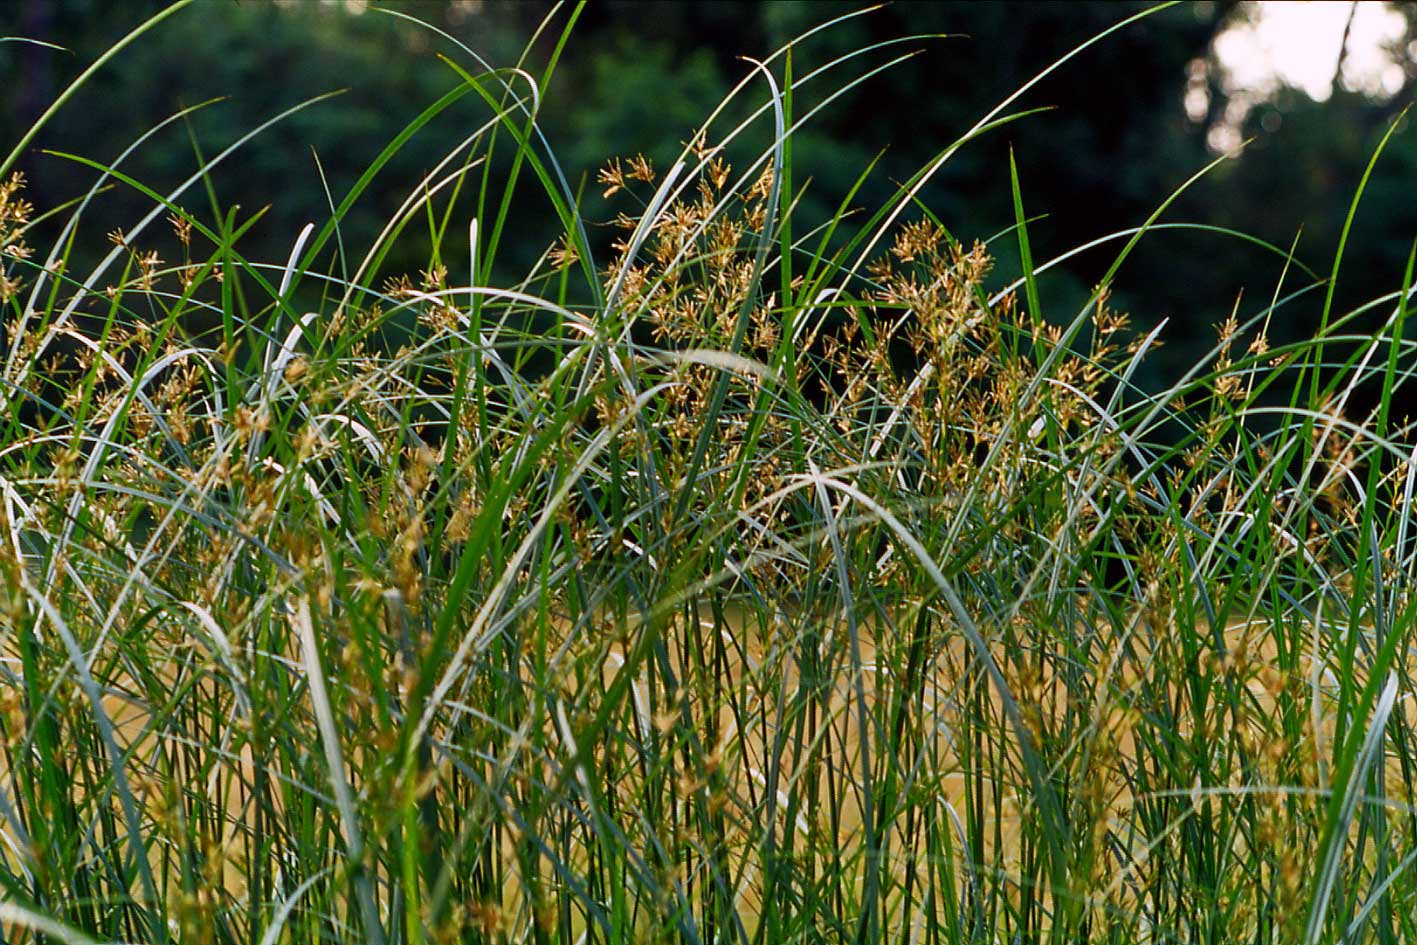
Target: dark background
640,76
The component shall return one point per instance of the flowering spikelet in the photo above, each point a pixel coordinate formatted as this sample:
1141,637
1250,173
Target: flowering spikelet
15,214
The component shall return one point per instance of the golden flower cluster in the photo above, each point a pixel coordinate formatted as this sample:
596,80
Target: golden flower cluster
15,215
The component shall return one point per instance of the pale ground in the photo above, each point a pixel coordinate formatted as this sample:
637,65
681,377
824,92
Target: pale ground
745,741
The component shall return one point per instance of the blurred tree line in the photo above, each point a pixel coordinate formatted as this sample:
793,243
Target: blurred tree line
1114,141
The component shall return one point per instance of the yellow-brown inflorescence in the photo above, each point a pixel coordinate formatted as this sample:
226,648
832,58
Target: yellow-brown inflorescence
710,724
15,214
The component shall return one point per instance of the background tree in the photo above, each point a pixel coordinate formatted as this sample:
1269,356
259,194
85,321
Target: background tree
1115,141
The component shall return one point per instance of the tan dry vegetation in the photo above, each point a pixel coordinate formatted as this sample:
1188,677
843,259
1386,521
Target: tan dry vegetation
730,702
953,700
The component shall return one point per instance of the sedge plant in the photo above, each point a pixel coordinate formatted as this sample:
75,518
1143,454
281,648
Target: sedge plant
754,581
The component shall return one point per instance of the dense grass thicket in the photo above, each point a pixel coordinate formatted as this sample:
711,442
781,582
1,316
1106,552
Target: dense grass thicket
760,582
